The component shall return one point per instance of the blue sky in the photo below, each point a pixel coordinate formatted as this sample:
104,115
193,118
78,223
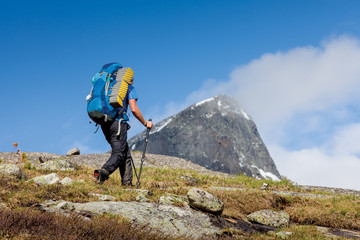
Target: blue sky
292,65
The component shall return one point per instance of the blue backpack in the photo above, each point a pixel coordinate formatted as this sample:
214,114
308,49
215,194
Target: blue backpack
107,98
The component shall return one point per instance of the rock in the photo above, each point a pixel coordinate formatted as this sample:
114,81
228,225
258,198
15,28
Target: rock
335,233
12,170
215,133
48,205
171,220
49,179
10,157
302,194
189,180
175,200
72,152
283,234
3,206
200,199
270,218
103,197
265,186
58,165
34,157
66,206
144,192
142,198
66,181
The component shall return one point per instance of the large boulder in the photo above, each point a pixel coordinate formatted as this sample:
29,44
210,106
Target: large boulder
72,152
205,201
12,170
171,220
270,218
49,179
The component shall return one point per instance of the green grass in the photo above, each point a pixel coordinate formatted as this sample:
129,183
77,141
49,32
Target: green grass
22,197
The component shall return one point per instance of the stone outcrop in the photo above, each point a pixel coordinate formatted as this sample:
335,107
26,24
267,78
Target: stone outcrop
34,157
175,200
332,233
270,218
171,220
12,170
215,133
202,200
58,165
52,178
49,179
73,152
103,197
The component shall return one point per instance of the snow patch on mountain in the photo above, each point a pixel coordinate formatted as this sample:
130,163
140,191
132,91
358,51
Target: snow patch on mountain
245,114
266,175
161,125
204,101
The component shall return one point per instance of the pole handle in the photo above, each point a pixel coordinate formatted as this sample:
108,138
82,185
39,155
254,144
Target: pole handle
150,120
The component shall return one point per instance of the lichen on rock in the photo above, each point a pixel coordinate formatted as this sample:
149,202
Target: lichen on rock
270,218
205,201
12,170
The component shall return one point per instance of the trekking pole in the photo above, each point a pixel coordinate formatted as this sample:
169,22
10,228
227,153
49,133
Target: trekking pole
132,163
143,155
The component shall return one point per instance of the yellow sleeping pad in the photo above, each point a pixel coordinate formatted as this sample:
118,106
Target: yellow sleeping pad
120,88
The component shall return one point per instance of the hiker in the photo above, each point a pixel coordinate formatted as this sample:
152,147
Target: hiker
117,138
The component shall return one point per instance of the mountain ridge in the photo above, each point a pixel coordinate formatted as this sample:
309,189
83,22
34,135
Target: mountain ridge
215,133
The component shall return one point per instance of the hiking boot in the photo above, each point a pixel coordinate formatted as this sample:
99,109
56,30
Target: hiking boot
101,175
127,184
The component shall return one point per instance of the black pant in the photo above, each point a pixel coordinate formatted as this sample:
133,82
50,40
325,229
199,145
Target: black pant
120,154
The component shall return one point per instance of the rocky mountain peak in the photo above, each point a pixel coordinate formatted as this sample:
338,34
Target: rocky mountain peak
215,133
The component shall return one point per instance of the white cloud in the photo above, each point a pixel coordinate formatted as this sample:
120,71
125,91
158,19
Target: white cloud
298,96
335,163
315,167
347,140
277,86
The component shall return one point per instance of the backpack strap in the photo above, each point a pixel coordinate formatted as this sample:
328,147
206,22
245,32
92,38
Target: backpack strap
119,128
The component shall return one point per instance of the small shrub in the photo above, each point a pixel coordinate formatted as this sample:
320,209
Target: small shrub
343,212
24,156
28,165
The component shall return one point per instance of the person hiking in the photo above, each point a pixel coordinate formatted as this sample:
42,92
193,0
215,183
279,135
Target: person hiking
120,152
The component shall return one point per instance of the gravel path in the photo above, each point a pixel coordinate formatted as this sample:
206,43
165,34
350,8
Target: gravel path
97,160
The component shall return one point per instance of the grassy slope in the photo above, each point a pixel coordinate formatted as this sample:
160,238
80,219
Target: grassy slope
24,221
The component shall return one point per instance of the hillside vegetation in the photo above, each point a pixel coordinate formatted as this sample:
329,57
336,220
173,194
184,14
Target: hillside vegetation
22,218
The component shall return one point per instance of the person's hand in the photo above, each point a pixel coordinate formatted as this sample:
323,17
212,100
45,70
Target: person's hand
149,124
